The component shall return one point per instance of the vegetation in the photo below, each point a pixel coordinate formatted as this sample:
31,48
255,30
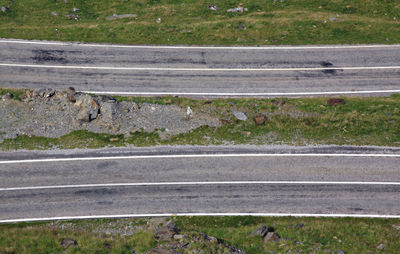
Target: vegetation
316,235
192,22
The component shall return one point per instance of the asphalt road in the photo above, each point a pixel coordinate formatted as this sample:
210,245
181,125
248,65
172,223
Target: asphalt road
166,180
201,71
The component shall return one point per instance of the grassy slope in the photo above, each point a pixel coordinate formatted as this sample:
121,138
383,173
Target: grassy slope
317,235
191,22
302,121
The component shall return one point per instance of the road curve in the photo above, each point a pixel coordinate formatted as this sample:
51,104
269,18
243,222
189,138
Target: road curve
327,180
201,71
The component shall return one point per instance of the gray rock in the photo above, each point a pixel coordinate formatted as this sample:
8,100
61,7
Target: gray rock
120,16
54,13
240,115
332,19
72,16
340,252
396,227
381,246
271,236
213,7
158,20
166,232
261,231
75,9
5,9
179,237
68,242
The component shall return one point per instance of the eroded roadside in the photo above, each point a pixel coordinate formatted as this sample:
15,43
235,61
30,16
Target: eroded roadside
51,119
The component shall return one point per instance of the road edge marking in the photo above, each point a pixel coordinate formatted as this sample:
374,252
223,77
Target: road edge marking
283,47
106,185
198,156
121,216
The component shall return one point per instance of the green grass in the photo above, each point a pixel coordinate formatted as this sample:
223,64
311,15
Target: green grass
317,235
191,22
300,121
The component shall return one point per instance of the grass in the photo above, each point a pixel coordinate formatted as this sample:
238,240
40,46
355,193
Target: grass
191,22
293,121
317,235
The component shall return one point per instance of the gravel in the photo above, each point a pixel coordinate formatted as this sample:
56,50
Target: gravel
50,113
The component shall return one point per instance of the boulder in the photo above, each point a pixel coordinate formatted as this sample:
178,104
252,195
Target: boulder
5,9
166,232
260,119
261,231
88,108
68,242
336,101
271,237
240,115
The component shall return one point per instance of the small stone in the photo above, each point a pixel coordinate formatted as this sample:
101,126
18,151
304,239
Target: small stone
396,227
271,236
340,252
241,26
179,237
54,13
300,225
213,7
189,112
68,242
240,115
5,9
158,20
76,9
260,119
381,246
83,115
336,101
166,232
332,19
261,231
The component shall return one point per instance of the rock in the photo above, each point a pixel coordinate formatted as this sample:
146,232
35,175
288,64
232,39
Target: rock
340,252
68,242
49,93
260,119
120,16
72,16
381,246
166,232
213,7
271,236
241,26
83,115
75,9
5,9
179,237
189,112
300,225
161,250
8,96
261,231
240,115
336,101
158,20
54,13
71,94
396,227
332,19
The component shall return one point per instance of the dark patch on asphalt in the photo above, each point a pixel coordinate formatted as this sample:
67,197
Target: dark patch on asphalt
327,65
101,191
53,56
107,164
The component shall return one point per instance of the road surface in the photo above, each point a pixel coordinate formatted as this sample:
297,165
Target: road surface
201,71
352,181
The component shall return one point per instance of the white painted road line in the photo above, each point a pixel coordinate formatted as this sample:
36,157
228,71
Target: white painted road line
103,185
199,156
118,216
199,47
242,94
197,69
